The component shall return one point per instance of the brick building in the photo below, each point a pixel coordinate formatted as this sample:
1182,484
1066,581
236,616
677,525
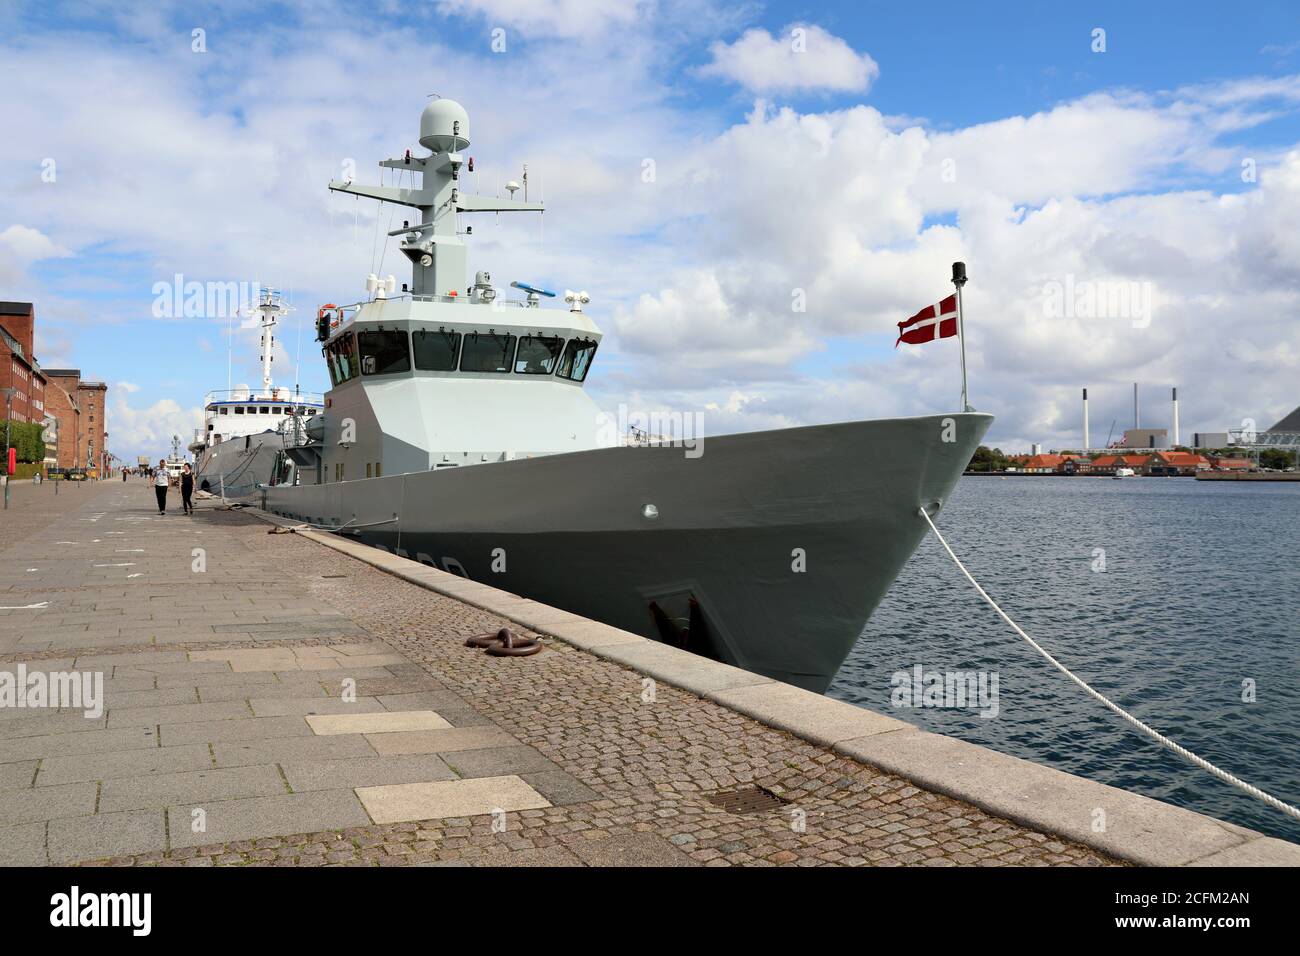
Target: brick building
62,407
1171,463
18,367
83,439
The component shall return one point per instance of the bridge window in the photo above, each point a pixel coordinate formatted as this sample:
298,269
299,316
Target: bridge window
538,354
384,353
435,351
485,352
342,355
577,359
239,409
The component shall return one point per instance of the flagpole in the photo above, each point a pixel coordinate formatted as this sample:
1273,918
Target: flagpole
959,280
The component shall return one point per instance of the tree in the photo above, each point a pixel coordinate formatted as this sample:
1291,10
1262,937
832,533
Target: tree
987,459
1276,458
26,438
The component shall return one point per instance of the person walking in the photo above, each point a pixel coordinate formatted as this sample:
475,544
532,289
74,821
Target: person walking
187,490
160,482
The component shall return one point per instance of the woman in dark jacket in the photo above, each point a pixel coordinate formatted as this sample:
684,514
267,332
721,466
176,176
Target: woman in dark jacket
187,489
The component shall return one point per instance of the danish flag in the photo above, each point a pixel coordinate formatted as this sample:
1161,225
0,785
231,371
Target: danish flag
938,321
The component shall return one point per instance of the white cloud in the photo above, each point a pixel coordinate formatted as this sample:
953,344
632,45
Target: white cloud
148,430
564,18
20,246
798,59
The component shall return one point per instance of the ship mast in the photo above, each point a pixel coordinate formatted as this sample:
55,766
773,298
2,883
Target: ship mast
436,252
268,311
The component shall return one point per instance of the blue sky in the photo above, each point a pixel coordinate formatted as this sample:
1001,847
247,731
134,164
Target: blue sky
776,172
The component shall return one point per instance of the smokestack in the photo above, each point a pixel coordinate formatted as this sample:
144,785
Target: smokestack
1176,441
1086,446
1137,422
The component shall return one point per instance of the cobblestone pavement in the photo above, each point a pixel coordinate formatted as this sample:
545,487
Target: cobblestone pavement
222,686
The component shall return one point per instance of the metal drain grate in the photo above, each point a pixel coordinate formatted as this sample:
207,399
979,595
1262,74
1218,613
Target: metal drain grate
747,801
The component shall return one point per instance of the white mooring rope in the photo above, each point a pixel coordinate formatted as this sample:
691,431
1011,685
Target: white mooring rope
1160,738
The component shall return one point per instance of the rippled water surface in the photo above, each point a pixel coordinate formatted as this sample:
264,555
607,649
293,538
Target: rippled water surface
1201,592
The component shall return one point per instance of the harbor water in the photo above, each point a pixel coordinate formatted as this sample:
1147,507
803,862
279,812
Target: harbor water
1178,599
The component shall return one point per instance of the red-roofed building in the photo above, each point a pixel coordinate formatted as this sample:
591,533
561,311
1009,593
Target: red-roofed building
1042,464
1176,463
1107,464
1232,464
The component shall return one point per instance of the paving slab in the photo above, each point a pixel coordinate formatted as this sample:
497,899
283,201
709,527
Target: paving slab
197,787
19,775
131,763
302,706
23,845
276,691
178,713
46,803
441,741
75,839
401,803
380,723
277,750
495,761
90,741
422,700
352,772
245,728
284,815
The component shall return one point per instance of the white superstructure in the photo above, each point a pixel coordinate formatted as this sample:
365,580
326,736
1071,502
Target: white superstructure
242,411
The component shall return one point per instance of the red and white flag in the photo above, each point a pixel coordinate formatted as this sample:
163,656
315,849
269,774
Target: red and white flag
938,321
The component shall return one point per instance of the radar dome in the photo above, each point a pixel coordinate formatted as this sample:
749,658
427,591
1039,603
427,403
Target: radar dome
444,126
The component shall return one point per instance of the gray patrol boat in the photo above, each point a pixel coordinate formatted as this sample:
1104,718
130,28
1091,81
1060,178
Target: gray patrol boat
457,432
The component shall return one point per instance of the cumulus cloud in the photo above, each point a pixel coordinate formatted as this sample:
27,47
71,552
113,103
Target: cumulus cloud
148,429
799,59
846,219
563,18
20,246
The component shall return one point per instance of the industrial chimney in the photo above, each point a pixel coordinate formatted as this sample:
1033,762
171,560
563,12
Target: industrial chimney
1137,422
1176,441
1086,446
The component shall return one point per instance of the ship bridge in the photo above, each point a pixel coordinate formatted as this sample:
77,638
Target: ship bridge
426,382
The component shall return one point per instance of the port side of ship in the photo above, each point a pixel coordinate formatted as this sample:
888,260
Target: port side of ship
458,432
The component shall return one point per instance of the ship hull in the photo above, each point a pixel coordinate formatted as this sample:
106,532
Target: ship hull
234,468
784,541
